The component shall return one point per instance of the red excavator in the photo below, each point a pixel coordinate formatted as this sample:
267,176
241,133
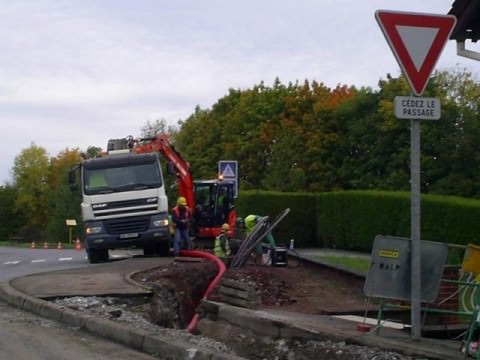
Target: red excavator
212,201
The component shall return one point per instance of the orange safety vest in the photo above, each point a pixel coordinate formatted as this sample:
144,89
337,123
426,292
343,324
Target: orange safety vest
176,210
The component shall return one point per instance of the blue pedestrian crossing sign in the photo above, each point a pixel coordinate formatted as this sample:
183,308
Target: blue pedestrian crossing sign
228,169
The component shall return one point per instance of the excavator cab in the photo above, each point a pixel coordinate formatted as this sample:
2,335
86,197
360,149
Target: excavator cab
214,206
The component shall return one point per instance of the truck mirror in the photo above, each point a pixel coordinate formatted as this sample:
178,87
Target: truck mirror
72,178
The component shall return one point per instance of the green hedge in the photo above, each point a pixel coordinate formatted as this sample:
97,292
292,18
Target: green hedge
299,223
352,219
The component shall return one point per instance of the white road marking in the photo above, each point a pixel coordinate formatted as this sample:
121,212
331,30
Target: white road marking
10,262
38,260
65,259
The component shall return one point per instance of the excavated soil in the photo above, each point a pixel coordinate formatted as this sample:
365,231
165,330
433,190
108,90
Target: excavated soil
304,289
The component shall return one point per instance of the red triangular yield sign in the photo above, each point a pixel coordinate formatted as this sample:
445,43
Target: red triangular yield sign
417,40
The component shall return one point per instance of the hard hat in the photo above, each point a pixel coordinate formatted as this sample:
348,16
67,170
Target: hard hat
225,227
182,201
250,221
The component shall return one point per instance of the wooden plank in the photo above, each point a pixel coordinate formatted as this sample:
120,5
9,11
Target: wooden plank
236,284
241,302
248,295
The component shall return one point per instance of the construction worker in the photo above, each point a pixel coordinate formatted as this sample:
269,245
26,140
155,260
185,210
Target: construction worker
250,222
222,247
181,217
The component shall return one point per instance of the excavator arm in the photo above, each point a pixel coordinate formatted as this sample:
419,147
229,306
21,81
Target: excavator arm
210,216
161,143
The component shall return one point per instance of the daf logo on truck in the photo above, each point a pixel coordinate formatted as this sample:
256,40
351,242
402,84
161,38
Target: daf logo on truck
99,206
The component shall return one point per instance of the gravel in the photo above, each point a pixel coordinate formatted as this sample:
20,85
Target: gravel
133,311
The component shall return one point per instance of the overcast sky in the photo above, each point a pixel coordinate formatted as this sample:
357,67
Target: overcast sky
76,73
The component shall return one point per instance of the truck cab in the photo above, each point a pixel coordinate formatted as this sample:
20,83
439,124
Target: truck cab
124,204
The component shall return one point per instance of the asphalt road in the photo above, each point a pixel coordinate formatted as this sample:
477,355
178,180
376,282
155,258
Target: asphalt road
15,262
26,336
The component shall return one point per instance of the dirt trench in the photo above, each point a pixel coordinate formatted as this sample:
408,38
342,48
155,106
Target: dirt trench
179,287
177,291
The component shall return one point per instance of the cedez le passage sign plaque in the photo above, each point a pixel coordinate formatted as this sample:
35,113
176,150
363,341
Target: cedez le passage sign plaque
419,108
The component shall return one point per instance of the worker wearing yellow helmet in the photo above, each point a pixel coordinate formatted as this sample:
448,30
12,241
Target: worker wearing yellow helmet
181,217
250,222
222,247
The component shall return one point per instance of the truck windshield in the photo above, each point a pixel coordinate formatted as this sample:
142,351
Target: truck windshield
116,177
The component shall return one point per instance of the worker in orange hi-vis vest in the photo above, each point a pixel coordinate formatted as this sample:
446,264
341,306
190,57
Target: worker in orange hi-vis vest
181,217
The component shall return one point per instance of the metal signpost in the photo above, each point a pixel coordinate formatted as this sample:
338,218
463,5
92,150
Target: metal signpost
416,41
71,223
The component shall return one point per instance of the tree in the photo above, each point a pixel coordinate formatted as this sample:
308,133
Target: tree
308,137
64,204
159,126
31,175
93,152
452,147
11,220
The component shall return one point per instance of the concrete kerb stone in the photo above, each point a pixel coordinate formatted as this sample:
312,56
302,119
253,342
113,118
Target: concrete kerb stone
264,325
74,318
129,279
42,308
411,349
133,338
239,317
157,345
11,296
179,350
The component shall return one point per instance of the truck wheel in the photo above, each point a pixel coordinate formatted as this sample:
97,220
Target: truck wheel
97,255
162,248
149,249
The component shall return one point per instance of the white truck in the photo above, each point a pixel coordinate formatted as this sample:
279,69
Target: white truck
124,203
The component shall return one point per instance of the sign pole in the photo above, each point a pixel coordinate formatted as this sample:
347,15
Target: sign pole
416,284
417,41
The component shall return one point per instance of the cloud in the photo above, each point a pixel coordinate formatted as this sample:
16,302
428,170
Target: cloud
74,74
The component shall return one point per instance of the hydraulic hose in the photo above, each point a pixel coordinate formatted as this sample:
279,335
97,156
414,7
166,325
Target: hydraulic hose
221,270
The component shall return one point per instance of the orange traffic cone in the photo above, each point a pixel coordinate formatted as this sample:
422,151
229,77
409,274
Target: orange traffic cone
33,245
59,246
78,246
45,245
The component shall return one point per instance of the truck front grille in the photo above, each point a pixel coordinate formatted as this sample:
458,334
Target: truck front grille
127,207
127,225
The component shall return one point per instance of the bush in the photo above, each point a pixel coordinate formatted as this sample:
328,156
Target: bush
351,220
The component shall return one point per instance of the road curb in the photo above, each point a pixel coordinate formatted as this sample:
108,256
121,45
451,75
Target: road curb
137,339
11,296
129,279
321,328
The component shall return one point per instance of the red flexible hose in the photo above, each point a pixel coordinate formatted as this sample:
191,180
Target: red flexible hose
221,270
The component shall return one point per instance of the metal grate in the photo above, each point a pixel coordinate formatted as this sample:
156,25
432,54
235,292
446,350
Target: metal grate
130,225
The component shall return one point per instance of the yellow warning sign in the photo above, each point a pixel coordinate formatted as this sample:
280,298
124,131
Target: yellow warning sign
394,254
471,259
